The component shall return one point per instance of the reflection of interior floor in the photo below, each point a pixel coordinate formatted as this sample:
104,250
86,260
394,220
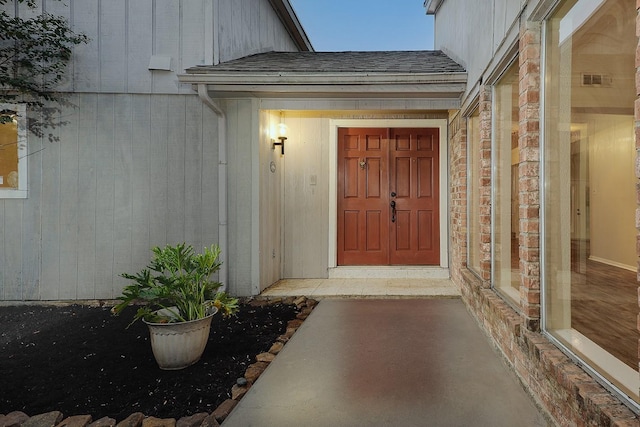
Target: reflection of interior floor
604,307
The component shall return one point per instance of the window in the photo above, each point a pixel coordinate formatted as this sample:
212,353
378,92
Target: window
589,235
13,149
506,260
473,191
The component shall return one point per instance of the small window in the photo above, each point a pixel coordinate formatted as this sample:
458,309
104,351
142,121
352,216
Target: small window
13,151
506,158
474,179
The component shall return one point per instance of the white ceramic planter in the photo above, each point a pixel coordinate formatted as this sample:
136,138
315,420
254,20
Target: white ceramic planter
179,345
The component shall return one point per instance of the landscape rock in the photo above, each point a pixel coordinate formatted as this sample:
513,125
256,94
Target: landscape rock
210,421
288,334
76,421
158,422
223,411
289,300
133,420
253,371
276,347
48,419
294,324
13,419
304,313
311,303
103,422
265,357
242,381
194,420
300,301
238,392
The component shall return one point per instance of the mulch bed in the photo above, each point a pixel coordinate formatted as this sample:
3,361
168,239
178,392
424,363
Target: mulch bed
82,360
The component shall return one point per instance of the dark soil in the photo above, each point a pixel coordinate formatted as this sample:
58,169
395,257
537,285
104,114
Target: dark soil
82,360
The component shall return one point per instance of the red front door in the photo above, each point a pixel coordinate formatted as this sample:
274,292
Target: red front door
388,197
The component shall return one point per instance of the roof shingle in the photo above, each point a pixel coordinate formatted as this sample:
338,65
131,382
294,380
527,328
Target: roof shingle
421,62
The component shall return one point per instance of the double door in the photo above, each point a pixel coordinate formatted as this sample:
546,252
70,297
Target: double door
388,196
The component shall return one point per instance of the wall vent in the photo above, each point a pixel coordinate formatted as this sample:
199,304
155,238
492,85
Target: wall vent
596,80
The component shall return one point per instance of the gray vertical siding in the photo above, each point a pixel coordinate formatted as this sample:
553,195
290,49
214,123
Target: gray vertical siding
129,172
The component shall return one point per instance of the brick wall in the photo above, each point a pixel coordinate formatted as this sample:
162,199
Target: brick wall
458,193
529,173
485,185
567,393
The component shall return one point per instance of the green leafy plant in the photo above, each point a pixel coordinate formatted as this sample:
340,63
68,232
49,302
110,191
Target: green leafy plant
177,280
34,55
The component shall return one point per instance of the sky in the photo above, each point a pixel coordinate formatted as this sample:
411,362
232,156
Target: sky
342,25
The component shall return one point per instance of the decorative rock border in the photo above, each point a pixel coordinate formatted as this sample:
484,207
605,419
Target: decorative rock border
202,419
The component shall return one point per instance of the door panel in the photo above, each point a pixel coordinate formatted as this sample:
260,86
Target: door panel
363,210
378,167
415,237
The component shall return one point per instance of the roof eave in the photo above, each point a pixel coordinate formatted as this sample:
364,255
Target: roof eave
432,6
288,16
325,78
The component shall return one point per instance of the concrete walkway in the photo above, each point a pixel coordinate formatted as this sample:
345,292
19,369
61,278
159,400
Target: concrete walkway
401,362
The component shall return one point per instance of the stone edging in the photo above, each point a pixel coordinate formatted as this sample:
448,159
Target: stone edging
203,419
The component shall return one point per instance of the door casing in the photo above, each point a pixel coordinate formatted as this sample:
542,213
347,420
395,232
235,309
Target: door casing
388,123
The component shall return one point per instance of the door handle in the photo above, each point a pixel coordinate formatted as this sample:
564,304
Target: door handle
393,210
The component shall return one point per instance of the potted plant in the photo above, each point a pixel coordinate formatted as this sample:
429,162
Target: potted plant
178,301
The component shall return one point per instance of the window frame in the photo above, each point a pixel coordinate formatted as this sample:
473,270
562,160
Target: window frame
509,299
475,111
545,328
22,191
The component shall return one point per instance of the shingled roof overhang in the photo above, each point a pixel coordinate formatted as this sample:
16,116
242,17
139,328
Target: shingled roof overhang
399,74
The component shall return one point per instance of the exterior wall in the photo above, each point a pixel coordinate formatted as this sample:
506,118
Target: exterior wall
125,34
130,172
485,185
458,195
271,194
560,387
306,206
243,195
246,27
491,27
136,164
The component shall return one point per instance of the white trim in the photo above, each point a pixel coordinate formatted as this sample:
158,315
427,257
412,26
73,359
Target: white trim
613,263
23,152
441,124
454,79
621,375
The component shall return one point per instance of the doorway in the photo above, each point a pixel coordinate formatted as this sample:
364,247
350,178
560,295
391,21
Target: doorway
388,194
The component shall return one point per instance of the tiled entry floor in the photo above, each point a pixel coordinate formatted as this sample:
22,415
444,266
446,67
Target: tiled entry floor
374,288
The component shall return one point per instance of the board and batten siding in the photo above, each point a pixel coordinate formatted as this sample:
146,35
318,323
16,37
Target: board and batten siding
129,172
124,34
495,32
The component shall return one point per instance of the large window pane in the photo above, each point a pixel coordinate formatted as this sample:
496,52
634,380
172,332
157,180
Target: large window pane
506,157
473,191
590,283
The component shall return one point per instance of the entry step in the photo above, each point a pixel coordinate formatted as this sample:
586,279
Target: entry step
375,272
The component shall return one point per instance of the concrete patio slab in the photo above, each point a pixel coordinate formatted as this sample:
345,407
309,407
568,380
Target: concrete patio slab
399,362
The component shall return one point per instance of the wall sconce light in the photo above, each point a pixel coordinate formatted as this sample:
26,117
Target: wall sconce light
282,132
